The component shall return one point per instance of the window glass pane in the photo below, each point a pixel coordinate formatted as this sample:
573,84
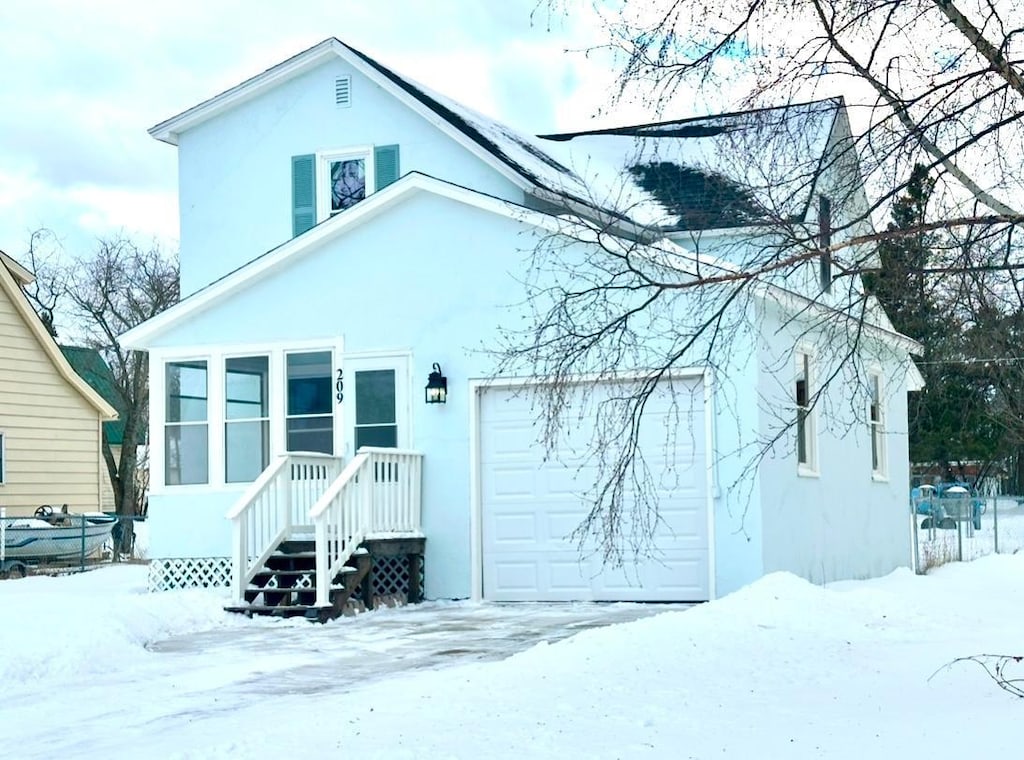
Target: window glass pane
245,387
348,183
311,434
378,435
309,383
246,450
185,454
186,391
801,437
876,411
375,397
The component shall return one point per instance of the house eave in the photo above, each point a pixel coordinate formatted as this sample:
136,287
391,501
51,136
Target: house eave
142,337
28,315
21,274
168,130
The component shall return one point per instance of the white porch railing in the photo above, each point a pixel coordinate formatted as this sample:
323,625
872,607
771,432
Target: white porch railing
376,495
274,507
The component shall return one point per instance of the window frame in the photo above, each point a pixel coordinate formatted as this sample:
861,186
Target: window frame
208,366
333,361
876,425
264,420
324,159
806,414
3,458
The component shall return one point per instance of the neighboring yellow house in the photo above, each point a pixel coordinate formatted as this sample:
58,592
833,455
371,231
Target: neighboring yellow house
50,419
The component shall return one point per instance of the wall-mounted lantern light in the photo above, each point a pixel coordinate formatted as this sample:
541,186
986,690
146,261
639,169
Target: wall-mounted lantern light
437,386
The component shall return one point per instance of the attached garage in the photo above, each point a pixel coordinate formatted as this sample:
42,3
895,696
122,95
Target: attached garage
529,505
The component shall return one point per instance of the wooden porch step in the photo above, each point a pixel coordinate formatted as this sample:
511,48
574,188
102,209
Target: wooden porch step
291,610
297,546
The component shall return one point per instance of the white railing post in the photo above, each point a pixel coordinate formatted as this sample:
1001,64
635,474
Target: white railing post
323,581
285,496
239,560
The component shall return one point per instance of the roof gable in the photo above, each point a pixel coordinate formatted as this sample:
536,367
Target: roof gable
89,364
517,156
11,288
142,336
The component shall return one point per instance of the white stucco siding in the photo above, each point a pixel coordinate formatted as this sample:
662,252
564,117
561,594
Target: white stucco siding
842,522
436,279
431,276
235,169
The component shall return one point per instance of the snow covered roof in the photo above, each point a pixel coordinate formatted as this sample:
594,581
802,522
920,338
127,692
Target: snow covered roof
524,154
713,171
708,172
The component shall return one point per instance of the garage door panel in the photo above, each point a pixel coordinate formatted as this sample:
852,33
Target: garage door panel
532,504
516,577
515,481
511,529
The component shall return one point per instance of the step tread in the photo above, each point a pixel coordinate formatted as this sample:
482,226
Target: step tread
269,609
300,590
299,573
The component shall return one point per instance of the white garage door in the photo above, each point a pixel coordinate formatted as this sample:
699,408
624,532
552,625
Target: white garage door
530,506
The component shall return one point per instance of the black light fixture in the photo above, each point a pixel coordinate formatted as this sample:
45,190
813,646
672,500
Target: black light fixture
437,386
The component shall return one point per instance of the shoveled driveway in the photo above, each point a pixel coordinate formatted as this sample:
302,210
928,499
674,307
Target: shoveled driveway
298,657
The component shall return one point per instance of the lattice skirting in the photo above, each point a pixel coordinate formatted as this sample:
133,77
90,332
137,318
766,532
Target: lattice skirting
391,579
189,572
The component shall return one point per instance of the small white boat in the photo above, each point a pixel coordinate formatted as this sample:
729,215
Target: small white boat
52,535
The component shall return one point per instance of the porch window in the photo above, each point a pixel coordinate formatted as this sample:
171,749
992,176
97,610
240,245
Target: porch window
186,434
246,418
806,443
376,423
309,423
877,422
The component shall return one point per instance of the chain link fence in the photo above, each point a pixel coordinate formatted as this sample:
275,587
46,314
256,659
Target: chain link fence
57,542
959,526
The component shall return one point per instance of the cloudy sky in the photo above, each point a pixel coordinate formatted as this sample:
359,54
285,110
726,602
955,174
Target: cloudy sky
84,81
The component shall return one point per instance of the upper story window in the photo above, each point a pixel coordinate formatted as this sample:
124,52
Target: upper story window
876,419
343,180
329,181
806,436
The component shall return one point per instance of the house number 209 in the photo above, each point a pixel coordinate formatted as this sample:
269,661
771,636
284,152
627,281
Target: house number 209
339,387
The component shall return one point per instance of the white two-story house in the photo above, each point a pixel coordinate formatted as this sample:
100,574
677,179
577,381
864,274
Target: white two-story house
351,245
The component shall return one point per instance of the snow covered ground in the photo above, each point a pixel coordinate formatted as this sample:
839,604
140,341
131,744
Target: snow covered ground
93,667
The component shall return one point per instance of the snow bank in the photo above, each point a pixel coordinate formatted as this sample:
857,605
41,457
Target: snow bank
780,669
92,622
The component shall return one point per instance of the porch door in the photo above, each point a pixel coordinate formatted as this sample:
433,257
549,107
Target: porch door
377,401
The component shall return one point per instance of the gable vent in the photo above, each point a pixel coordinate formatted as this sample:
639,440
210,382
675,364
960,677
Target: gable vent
343,91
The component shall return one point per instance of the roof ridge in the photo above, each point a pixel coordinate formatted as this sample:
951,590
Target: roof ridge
834,101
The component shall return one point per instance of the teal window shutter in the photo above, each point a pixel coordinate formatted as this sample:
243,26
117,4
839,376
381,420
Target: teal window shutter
385,165
303,193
